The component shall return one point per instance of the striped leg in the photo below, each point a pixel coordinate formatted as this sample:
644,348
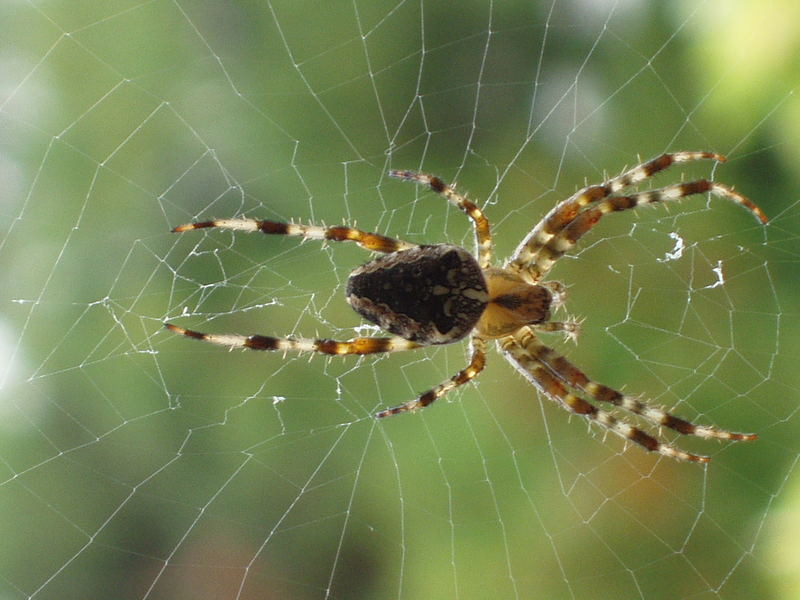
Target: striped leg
555,389
575,378
340,233
366,345
475,366
565,212
564,240
483,233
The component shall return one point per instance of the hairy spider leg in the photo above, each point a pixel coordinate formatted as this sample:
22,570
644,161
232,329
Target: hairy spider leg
573,377
483,235
561,215
540,375
337,233
476,364
362,345
564,240
570,329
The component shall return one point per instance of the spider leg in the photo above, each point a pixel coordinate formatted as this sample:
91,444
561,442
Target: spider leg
575,378
655,165
554,388
570,329
339,233
363,345
559,243
476,364
565,211
483,233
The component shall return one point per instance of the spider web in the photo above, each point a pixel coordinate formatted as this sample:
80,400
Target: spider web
137,464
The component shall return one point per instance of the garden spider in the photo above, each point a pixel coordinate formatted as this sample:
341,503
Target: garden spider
439,294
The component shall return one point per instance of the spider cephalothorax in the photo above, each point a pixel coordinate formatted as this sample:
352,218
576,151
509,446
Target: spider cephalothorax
439,294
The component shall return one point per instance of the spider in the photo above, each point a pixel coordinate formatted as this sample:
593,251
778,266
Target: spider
440,293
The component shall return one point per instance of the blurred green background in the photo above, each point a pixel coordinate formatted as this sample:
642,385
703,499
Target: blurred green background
140,465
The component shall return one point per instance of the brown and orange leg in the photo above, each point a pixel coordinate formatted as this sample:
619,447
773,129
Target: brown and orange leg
369,241
563,241
567,210
575,378
476,364
483,233
364,345
546,381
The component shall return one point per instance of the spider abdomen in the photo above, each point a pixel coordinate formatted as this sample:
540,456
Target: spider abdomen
432,294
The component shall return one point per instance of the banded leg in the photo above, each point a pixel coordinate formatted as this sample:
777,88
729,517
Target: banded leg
339,233
475,366
573,377
565,211
554,388
365,345
563,241
483,235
